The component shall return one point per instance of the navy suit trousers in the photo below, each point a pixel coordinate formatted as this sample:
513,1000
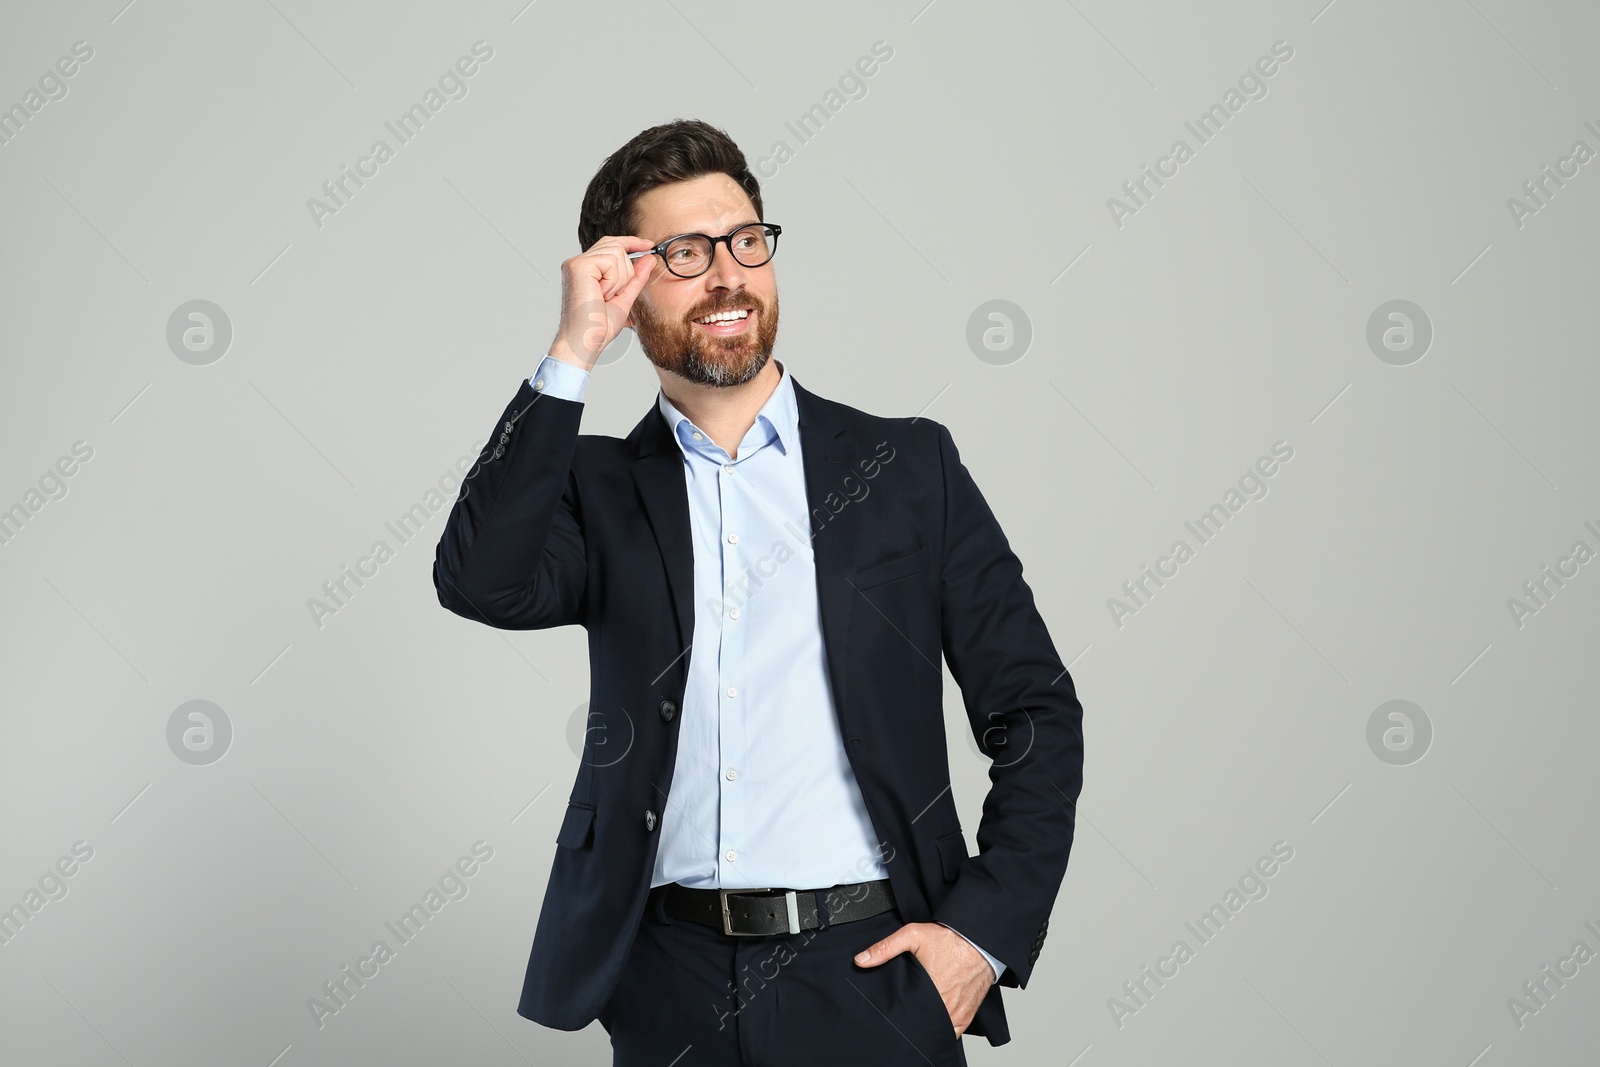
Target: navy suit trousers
691,996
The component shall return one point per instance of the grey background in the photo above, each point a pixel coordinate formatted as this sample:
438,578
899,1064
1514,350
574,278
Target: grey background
1167,355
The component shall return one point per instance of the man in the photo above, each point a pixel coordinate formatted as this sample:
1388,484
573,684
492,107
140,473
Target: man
767,579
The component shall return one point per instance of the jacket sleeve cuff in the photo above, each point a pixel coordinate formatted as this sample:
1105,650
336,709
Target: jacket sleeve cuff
560,379
993,963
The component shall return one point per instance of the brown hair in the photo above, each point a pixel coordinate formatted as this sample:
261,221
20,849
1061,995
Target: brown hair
674,152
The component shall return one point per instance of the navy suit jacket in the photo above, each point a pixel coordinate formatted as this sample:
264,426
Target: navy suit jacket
558,528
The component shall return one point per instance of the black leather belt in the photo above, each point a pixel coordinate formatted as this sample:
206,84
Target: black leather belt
758,912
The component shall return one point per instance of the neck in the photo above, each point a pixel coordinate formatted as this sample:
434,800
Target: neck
726,412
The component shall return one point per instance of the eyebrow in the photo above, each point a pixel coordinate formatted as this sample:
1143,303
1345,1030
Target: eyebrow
686,233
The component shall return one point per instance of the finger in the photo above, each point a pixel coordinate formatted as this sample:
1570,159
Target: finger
638,274
598,263
631,243
616,271
619,270
641,278
888,948
627,243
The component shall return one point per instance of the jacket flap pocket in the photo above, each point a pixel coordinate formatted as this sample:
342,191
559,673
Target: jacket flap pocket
889,570
952,850
576,827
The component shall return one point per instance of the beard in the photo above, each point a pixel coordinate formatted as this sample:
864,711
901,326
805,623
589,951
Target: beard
703,358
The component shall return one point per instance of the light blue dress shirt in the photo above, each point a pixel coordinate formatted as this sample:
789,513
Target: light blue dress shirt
762,792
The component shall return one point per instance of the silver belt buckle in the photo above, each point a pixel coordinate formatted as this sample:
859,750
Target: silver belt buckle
727,917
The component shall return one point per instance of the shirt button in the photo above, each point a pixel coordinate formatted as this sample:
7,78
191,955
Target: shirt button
733,613
696,436
733,539
728,467
731,855
733,691
733,774
539,384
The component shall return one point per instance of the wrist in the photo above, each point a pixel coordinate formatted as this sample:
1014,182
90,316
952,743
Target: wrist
564,352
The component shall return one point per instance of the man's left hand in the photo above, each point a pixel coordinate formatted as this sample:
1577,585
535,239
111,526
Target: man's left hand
958,970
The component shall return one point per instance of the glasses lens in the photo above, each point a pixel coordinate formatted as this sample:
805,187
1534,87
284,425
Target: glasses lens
688,256
753,245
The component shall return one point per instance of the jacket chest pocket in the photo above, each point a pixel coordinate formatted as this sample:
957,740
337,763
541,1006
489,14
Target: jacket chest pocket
890,569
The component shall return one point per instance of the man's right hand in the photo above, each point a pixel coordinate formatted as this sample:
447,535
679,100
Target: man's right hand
598,288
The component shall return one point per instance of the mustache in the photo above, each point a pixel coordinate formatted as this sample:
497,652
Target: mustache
738,300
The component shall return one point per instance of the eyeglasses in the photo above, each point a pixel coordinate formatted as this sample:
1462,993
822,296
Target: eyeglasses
689,255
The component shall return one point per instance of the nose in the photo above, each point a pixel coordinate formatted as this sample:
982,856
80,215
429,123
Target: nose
725,271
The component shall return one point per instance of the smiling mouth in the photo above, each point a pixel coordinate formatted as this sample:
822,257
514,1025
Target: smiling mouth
727,315
730,321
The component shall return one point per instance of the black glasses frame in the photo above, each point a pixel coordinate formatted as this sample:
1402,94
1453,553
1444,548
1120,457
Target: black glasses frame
726,239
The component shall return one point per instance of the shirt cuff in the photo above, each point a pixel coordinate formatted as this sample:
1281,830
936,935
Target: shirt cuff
560,379
994,963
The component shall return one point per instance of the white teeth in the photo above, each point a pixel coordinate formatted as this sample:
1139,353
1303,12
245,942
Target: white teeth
725,316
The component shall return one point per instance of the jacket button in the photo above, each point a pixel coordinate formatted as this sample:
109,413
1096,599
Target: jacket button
669,710
649,821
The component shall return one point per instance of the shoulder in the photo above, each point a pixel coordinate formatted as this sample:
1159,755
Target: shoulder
919,433
599,453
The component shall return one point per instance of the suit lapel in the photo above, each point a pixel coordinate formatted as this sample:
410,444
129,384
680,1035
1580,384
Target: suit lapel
658,474
829,456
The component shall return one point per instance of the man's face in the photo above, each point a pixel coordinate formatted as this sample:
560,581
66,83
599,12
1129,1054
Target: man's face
665,312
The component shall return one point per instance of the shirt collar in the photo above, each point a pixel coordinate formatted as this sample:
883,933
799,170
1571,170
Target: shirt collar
778,420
